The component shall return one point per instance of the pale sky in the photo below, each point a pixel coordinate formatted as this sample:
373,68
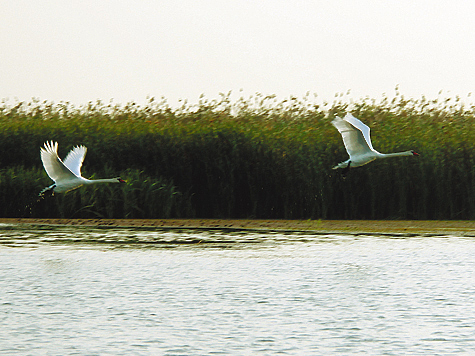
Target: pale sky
81,51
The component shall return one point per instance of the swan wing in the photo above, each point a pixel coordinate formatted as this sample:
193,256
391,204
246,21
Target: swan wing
365,130
353,138
54,167
75,158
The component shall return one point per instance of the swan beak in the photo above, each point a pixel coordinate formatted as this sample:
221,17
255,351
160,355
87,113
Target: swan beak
121,180
415,153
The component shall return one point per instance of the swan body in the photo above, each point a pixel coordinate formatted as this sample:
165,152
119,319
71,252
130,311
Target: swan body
66,174
357,141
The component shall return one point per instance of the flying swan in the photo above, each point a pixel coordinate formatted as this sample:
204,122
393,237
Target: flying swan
357,142
66,175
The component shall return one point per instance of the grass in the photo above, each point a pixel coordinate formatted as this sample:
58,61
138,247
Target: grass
254,158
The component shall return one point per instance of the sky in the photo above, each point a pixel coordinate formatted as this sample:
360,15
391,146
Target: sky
88,50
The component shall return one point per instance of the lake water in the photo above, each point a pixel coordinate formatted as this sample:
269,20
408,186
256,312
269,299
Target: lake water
91,291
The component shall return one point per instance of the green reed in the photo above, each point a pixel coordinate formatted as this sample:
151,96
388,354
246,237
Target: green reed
252,158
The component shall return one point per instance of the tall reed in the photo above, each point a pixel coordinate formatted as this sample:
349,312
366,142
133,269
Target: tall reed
255,158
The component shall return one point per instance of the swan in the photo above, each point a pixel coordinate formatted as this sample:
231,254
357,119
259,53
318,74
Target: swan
66,175
357,142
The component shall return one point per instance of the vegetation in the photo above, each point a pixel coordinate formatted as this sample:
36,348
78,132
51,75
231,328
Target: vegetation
254,158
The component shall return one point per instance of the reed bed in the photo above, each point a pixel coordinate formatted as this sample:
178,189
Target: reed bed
254,158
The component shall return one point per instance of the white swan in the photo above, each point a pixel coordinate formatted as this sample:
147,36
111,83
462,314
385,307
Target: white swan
66,175
357,142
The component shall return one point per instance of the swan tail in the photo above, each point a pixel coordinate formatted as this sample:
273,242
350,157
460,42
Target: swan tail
344,164
48,191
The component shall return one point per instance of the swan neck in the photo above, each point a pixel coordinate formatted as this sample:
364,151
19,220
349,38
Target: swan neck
107,180
396,154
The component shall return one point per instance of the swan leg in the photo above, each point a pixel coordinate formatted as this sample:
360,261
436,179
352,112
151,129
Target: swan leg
49,191
346,170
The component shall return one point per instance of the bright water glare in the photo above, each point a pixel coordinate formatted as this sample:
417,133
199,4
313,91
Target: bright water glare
91,291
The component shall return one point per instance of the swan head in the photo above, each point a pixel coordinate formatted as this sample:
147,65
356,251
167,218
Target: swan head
414,153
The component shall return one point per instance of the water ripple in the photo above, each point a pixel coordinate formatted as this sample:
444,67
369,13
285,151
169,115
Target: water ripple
135,291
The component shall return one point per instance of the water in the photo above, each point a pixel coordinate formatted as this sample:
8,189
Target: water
91,291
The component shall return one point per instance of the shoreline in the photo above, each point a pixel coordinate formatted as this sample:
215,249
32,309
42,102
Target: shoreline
463,227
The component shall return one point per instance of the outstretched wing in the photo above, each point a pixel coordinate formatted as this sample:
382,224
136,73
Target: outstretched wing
74,159
353,139
54,167
365,130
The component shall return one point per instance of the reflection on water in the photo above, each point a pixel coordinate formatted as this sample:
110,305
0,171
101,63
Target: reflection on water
24,235
99,291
